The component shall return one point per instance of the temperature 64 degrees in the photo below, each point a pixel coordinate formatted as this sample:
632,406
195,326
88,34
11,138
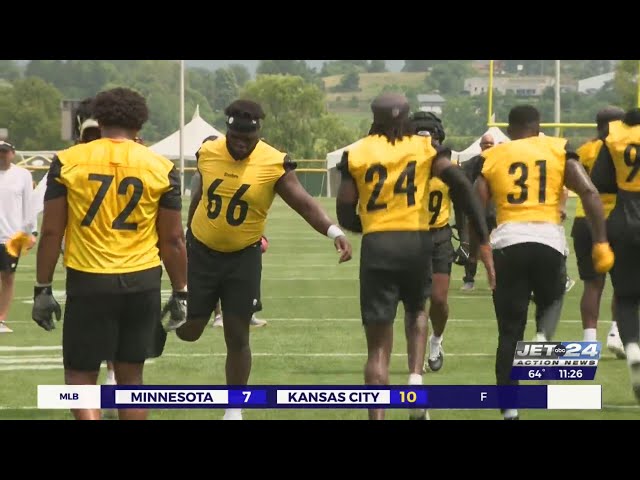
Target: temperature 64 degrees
536,373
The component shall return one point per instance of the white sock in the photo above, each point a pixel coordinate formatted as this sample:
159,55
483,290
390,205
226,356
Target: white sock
614,328
232,414
415,379
633,353
510,413
111,377
590,335
436,340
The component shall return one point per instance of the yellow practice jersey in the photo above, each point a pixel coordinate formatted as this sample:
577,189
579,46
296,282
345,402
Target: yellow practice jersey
114,189
392,182
439,203
623,143
526,179
588,154
236,194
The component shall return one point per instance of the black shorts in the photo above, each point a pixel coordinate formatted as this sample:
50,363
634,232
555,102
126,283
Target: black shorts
232,278
394,267
443,253
8,263
523,269
582,246
625,274
122,327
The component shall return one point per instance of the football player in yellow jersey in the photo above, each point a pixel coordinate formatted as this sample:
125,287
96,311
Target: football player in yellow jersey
383,194
439,207
525,178
118,206
582,242
241,174
618,165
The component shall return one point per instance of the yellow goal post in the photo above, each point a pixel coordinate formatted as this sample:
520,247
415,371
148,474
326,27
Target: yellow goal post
490,112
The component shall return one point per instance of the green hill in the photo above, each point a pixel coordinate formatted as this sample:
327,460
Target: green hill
353,107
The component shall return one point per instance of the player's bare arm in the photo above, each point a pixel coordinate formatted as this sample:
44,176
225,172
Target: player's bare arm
347,203
294,194
483,194
461,193
54,223
577,179
196,196
172,247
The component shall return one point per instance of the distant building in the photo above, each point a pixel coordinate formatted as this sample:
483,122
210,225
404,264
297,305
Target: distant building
532,86
431,102
594,84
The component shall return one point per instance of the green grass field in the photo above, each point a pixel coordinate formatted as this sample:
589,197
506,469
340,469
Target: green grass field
314,336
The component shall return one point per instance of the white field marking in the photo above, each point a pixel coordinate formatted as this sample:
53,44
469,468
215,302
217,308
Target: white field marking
41,366
322,354
9,368
24,360
481,321
30,348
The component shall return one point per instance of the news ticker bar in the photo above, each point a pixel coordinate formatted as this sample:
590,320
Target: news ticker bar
551,397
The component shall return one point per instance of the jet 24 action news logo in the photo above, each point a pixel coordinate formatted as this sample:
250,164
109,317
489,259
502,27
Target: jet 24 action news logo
574,354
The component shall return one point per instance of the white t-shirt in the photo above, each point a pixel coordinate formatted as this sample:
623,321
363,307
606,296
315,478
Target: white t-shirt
16,212
549,234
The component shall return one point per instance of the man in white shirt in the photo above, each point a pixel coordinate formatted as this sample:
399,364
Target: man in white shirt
16,215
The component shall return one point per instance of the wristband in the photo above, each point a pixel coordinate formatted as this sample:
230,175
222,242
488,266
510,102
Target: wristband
334,232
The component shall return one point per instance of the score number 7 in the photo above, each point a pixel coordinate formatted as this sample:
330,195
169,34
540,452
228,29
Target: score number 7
247,396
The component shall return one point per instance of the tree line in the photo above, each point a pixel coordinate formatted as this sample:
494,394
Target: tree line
291,92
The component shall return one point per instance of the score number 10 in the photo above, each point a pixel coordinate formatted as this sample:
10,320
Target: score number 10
407,397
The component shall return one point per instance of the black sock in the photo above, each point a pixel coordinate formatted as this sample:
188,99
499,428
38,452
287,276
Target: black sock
628,318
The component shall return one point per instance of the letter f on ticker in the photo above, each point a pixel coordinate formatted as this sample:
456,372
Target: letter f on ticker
483,395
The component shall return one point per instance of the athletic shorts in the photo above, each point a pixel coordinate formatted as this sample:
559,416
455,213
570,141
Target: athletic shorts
8,263
394,267
118,327
582,246
232,278
625,274
443,252
523,269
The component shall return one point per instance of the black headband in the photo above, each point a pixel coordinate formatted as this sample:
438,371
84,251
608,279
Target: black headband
243,124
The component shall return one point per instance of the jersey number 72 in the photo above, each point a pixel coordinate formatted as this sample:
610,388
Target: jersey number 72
120,222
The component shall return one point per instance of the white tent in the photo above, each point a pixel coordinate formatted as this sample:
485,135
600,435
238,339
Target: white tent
333,159
194,133
474,149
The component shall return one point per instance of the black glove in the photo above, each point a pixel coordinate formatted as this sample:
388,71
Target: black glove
44,307
461,256
176,307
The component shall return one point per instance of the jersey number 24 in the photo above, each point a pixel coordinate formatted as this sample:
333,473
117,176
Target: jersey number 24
405,184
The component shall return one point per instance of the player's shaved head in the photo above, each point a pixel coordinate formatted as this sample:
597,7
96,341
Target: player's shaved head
632,117
606,115
524,121
390,116
487,141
